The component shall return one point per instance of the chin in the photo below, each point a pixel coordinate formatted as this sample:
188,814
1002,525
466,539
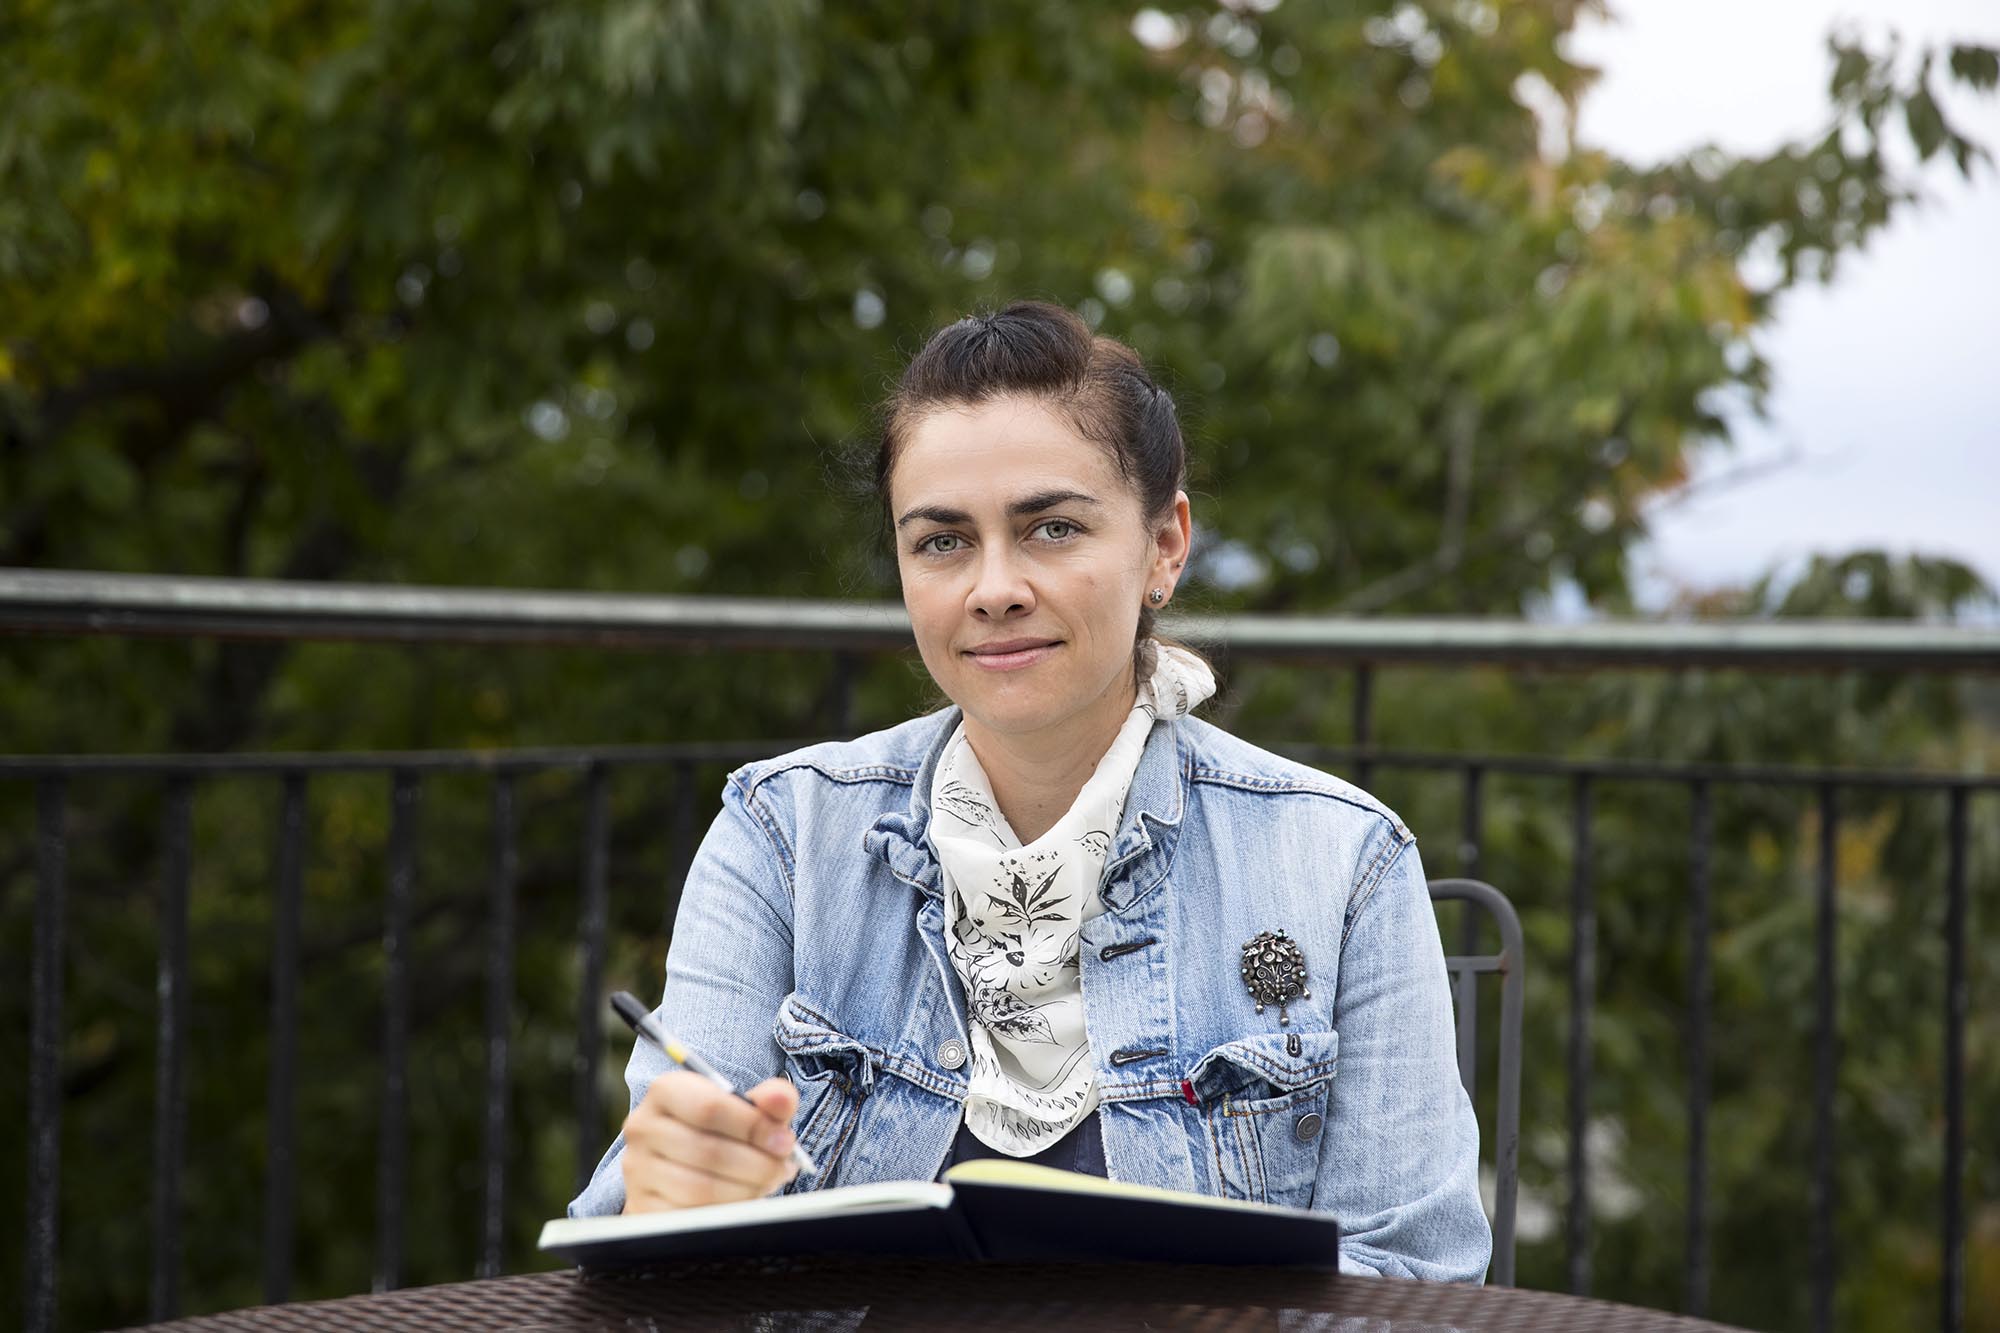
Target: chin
1010,716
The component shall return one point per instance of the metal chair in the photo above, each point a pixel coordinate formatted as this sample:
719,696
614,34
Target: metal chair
1465,970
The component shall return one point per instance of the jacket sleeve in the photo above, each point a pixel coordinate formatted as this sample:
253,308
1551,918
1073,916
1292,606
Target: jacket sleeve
1401,1172
729,965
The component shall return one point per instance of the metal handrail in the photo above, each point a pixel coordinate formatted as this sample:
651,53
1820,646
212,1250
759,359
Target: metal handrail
83,602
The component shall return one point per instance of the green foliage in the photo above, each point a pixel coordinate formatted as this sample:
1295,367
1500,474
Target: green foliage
592,293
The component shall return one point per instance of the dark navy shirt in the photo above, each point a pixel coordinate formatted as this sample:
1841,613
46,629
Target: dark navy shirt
1082,1149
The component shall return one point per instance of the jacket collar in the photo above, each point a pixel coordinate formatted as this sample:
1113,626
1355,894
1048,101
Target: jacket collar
901,837
1154,807
1139,855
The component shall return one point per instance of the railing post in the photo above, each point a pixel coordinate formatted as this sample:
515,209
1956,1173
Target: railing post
840,695
499,1025
280,1166
1364,722
170,1067
590,1003
394,1145
1582,990
1465,1006
1701,843
45,1045
1826,1059
681,830
1952,1315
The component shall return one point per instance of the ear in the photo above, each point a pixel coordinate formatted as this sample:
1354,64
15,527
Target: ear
1172,541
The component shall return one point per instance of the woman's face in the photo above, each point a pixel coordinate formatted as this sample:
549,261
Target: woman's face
1025,561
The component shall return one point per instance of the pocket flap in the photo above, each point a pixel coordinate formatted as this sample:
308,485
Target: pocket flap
1268,1059
810,1038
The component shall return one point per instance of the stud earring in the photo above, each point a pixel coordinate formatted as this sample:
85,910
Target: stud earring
1158,595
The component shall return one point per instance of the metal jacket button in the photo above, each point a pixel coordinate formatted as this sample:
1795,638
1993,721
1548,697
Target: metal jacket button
1307,1126
951,1053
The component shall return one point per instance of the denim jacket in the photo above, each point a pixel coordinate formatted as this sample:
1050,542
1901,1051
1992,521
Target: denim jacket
810,943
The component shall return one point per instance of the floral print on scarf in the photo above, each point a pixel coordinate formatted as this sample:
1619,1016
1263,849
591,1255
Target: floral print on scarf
1016,914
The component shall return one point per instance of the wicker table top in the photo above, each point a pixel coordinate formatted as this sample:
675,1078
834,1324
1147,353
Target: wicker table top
823,1295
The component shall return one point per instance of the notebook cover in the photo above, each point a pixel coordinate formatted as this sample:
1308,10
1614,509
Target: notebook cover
1021,1222
1010,1212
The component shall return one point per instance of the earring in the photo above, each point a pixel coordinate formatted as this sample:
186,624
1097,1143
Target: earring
1159,595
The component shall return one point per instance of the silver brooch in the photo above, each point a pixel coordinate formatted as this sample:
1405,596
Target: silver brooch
1274,971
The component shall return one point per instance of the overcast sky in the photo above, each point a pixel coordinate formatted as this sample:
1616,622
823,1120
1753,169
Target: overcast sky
1886,383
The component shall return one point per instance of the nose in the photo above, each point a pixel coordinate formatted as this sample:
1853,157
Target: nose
1000,590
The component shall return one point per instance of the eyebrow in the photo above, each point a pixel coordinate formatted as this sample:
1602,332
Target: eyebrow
1027,504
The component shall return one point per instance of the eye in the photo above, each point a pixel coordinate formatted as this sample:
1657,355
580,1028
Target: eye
931,544
1059,529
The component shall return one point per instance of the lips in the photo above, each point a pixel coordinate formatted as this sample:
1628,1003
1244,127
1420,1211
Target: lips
1012,654
1006,646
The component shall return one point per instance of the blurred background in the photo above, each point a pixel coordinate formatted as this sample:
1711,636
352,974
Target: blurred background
1880,416
1532,310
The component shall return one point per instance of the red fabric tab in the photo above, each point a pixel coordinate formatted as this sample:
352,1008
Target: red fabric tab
1187,1091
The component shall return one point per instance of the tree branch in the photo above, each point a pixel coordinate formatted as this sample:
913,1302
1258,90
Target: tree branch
1450,555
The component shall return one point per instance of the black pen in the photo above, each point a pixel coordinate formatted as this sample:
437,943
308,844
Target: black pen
641,1019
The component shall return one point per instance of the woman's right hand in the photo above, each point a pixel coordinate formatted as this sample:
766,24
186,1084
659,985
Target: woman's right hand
689,1143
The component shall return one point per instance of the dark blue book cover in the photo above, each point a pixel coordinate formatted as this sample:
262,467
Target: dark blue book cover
989,1209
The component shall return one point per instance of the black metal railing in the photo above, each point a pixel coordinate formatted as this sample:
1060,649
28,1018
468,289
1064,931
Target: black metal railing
407,774
53,780
1700,780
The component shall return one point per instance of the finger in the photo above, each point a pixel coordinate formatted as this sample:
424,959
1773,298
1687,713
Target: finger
776,1098
731,1159
691,1099
654,1183
683,1186
644,1193
688,1097
642,1188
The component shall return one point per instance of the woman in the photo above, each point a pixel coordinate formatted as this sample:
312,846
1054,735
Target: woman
1019,925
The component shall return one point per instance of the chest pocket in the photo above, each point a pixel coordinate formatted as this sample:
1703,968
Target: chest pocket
1265,1100
834,1073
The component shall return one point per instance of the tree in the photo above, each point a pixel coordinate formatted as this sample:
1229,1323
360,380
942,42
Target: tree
590,293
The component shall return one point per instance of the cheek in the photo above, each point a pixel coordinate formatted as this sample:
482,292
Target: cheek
1102,597
932,612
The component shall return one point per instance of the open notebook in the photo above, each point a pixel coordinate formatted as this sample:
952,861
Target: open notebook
988,1209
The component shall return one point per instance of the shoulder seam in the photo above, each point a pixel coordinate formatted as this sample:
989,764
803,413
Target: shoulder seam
1370,879
769,769
772,833
1299,787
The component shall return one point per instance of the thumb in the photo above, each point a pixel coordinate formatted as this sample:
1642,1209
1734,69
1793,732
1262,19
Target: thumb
776,1098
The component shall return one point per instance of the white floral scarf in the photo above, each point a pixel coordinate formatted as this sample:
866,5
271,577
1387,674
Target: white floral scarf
1015,914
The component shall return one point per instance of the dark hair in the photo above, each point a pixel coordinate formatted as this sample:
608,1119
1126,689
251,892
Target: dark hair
1099,385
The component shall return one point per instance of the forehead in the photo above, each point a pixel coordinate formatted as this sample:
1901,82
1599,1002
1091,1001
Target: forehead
1001,445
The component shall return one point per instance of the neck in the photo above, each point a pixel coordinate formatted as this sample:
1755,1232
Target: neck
1036,775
